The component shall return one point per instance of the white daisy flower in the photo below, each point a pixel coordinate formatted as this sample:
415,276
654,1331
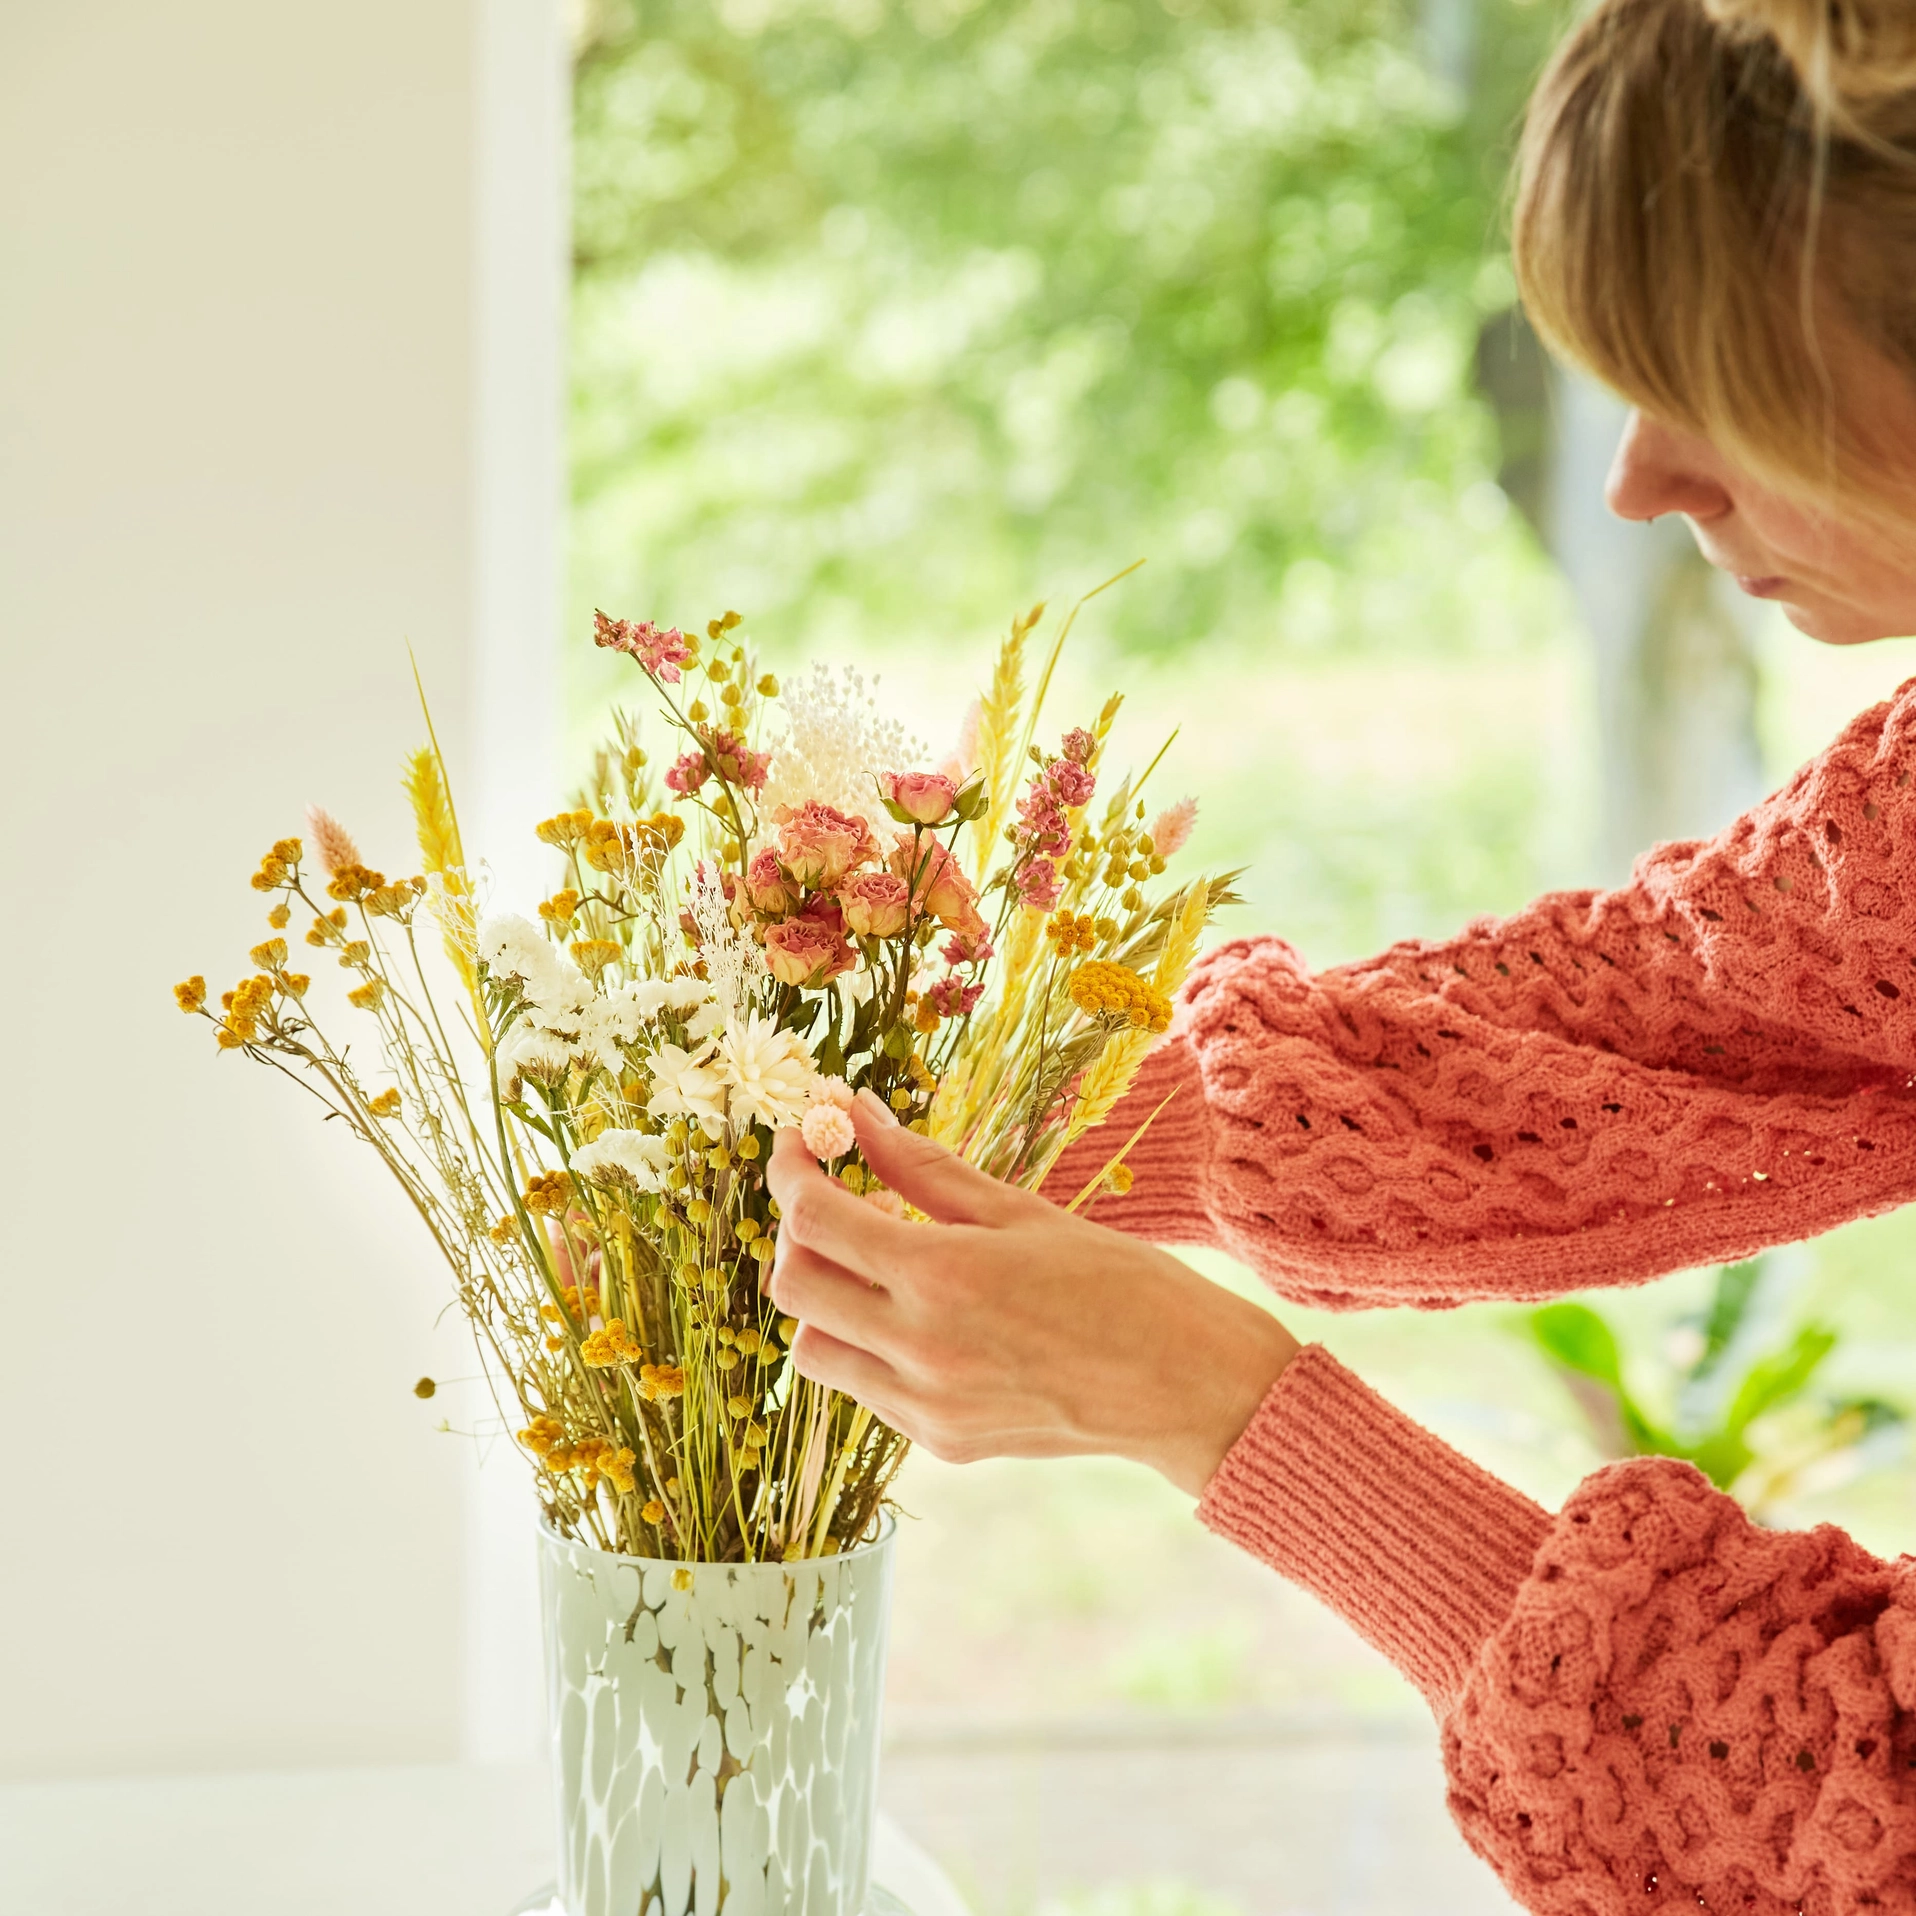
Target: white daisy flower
769,1071
683,1086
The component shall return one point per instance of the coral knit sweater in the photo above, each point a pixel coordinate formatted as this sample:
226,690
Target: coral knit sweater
1646,1701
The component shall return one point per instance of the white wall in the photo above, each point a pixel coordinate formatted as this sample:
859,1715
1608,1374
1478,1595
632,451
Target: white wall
277,395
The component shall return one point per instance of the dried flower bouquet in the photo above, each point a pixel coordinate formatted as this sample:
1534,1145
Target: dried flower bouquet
792,912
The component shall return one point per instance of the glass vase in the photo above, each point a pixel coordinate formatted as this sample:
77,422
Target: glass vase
714,1730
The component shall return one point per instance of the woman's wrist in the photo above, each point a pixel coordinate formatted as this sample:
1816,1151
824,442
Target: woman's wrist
1221,1355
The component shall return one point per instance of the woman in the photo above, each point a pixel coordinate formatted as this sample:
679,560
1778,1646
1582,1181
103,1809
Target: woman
1644,1700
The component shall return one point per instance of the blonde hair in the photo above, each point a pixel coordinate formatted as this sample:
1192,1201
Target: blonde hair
1710,192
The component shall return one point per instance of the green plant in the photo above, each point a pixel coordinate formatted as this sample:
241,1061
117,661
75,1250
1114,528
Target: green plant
1742,1408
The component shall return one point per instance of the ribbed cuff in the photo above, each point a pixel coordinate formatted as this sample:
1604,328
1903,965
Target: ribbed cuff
1418,1549
1169,1165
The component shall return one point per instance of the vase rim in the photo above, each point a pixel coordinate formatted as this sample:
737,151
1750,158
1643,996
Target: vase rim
887,1530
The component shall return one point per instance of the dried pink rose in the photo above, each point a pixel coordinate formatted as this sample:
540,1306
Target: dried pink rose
809,949
771,895
964,949
827,1131
1079,746
876,904
818,845
939,884
926,797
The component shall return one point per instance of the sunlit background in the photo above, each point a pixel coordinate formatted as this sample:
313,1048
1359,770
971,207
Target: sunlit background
889,319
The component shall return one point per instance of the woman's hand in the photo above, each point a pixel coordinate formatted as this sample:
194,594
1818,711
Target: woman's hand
1006,1328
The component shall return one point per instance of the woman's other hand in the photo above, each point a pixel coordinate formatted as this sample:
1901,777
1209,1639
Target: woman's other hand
1005,1328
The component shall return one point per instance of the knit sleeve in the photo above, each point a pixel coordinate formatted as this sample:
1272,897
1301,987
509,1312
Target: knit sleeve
1647,1702
1606,1086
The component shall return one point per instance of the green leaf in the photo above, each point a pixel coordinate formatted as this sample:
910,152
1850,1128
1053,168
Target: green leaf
1775,1380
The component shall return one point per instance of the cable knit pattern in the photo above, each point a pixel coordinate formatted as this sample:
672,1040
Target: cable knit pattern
1647,1702
1685,1711
1604,1087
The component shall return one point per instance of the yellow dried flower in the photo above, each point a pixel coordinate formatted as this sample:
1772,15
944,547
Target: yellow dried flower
618,1467
696,712
191,995
592,955
328,930
269,956
681,1578
764,1249
296,983
1118,1180
396,899
565,830
768,687
653,1513
1103,990
354,881
279,915
739,1406
548,1193
661,1380
367,997
503,1232
355,955
561,908
612,1346
386,1105
748,1340
1072,934
542,1435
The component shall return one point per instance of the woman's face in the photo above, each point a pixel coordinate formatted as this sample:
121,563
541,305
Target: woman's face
1842,581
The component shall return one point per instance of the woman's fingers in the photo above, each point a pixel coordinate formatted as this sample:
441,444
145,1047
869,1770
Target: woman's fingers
815,1291
820,1214
836,1365
941,1184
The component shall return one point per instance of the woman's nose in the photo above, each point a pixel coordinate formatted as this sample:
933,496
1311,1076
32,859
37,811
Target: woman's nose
1658,470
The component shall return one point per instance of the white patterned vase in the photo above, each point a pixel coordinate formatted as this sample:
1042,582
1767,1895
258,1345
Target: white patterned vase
714,1730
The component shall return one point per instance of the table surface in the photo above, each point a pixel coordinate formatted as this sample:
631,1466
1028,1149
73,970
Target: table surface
430,1840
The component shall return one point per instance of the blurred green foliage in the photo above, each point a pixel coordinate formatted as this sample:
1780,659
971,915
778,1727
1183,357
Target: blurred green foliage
890,313
1742,1407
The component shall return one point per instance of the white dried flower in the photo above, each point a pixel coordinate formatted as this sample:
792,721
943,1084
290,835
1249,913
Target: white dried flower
514,947
769,1071
684,1087
633,1159
834,742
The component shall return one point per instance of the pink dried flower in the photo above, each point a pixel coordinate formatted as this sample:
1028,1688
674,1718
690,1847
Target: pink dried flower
331,840
887,1201
1079,746
1171,829
809,949
953,998
939,884
818,845
766,885
661,653
1046,828
1072,783
1039,885
827,1131
736,762
925,797
833,1091
963,949
876,904
688,773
